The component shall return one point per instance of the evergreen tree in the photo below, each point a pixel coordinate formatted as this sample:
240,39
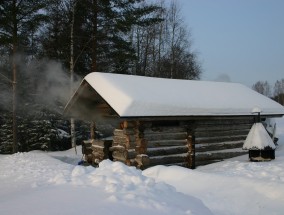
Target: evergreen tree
101,29
19,22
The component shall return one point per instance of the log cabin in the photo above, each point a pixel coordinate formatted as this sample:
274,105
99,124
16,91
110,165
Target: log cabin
162,121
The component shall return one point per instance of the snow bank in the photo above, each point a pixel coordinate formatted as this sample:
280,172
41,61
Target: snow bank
235,186
40,183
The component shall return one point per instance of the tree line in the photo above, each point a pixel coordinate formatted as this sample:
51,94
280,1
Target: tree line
45,44
276,92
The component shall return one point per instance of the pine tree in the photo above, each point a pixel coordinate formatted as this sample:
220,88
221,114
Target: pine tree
19,22
101,29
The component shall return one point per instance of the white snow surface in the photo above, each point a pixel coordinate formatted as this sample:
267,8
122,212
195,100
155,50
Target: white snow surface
133,96
258,138
41,183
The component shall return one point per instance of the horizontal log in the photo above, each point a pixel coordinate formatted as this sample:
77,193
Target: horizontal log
125,132
199,140
217,155
125,145
167,150
127,154
117,148
164,129
163,143
118,132
166,136
120,160
97,155
248,120
143,161
168,159
98,149
118,156
221,133
141,150
101,142
124,139
222,128
218,146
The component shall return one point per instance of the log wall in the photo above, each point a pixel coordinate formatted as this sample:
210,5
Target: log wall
216,140
185,143
165,144
124,143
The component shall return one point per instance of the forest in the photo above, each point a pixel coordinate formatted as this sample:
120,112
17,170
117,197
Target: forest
47,47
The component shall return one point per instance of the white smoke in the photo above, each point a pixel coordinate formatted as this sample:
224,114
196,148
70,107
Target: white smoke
45,81
223,78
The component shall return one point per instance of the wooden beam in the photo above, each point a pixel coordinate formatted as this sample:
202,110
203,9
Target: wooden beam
167,150
208,133
217,155
165,143
218,146
201,140
165,136
168,159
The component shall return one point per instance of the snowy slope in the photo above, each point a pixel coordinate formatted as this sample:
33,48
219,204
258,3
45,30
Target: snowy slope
40,183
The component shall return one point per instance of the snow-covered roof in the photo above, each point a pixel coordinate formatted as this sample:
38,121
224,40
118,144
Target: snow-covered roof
258,138
137,96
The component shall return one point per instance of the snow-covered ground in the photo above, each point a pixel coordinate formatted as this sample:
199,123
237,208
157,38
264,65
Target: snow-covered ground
39,183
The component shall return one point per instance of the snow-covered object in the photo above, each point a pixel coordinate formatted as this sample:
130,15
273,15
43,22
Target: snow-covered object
135,96
62,134
270,126
256,110
258,138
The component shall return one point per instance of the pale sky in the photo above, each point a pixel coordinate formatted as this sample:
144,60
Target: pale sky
240,40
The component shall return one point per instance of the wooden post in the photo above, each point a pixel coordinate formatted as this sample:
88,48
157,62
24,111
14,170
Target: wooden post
92,130
191,147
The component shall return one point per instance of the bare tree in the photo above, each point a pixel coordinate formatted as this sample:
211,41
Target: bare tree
164,49
263,88
279,91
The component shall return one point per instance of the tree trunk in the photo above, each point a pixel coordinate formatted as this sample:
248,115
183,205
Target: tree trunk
72,121
14,83
94,57
14,108
95,20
